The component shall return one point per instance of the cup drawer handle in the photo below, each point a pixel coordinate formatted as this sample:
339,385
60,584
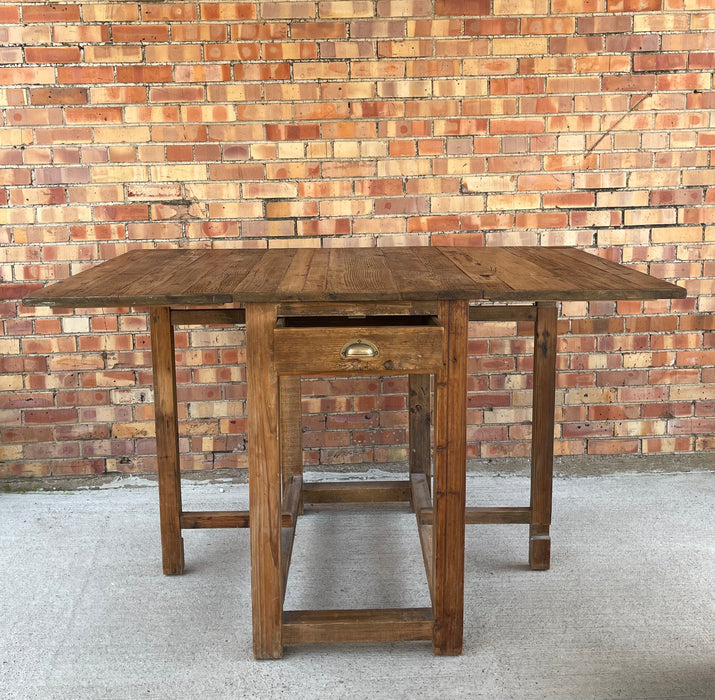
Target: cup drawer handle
359,349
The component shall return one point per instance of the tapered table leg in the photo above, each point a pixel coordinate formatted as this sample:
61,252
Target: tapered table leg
450,482
167,439
264,482
420,420
542,441
291,432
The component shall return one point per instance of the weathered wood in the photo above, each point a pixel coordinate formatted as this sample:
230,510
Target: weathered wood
357,310
400,349
200,317
502,313
421,504
356,492
449,483
334,282
264,482
380,625
228,519
350,275
527,273
420,421
542,441
487,515
510,515
199,519
291,433
292,504
167,440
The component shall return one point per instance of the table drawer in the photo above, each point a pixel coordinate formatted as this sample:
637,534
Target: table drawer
377,349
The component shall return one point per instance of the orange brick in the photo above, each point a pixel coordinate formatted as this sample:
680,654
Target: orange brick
436,27
71,75
571,85
461,47
516,126
173,53
629,43
602,64
144,74
229,11
9,14
176,12
203,73
660,62
541,220
50,13
517,86
114,54
140,33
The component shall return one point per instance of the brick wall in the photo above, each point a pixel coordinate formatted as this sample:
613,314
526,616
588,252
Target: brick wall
371,122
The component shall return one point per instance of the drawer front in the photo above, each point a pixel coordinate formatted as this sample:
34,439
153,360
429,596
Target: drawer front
375,350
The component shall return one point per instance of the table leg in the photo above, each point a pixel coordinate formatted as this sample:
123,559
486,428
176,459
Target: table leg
419,424
450,482
291,433
167,439
264,482
542,441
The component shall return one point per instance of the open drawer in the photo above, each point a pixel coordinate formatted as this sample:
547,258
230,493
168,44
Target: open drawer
375,345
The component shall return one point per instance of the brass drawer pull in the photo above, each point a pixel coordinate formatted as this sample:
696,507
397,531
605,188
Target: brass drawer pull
359,349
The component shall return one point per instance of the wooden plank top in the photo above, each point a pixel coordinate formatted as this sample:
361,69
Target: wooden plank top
172,277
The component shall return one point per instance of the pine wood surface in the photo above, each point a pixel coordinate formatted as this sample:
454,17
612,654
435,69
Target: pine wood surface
391,287
213,277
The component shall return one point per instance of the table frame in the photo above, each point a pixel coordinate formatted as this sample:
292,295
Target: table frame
277,491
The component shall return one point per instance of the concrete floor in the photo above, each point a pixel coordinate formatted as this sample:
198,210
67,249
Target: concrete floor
627,610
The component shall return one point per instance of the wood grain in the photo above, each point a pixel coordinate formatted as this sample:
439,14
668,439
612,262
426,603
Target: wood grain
542,441
420,422
292,505
350,275
401,283
379,625
167,440
421,504
356,492
449,483
401,349
264,482
291,433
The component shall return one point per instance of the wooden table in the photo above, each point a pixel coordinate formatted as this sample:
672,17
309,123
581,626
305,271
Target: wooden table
354,311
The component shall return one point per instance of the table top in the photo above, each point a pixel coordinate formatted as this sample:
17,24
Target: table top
172,277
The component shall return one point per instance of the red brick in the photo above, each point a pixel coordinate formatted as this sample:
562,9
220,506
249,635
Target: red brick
631,43
701,61
141,33
614,24
660,62
50,416
628,83
452,8
634,5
